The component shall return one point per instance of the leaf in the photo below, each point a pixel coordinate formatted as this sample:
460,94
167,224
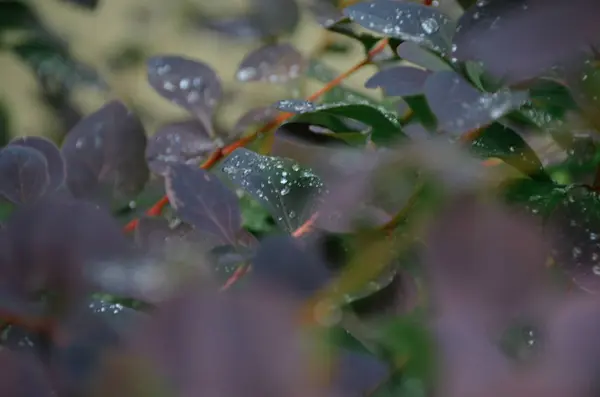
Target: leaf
325,13
504,143
200,199
358,374
414,53
407,21
15,14
410,344
185,142
460,108
575,223
87,4
290,193
57,245
285,263
275,17
399,81
54,159
51,61
188,83
104,154
421,111
274,63
260,115
23,174
15,367
385,127
492,32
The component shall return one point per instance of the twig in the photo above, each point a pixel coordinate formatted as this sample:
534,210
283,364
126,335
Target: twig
218,154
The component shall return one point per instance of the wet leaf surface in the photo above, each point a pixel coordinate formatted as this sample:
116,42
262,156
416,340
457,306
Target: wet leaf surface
384,125
575,222
54,159
24,174
274,63
290,192
492,32
418,55
504,143
185,142
188,83
399,81
407,21
104,154
460,107
199,198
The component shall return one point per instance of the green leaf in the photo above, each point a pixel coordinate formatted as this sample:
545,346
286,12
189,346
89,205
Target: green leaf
422,112
50,60
504,143
410,345
16,15
288,191
385,125
540,198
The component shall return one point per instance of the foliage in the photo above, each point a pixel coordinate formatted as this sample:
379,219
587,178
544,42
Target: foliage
423,243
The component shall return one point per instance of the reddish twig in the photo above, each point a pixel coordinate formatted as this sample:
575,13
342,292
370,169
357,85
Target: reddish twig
218,154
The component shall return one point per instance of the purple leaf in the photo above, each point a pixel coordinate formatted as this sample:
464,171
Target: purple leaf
188,83
274,63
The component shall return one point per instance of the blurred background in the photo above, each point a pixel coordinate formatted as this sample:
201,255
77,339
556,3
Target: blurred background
107,48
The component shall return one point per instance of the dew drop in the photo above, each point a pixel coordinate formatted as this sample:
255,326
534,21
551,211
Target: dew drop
285,191
596,270
430,26
246,74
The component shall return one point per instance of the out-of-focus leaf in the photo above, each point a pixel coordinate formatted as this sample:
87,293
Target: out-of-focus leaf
418,55
325,12
50,60
54,159
87,4
504,143
358,374
460,108
487,255
285,263
4,126
185,142
385,127
492,32
188,83
16,368
411,345
290,193
274,63
200,199
24,174
16,14
399,81
275,17
104,153
55,244
256,116
407,21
